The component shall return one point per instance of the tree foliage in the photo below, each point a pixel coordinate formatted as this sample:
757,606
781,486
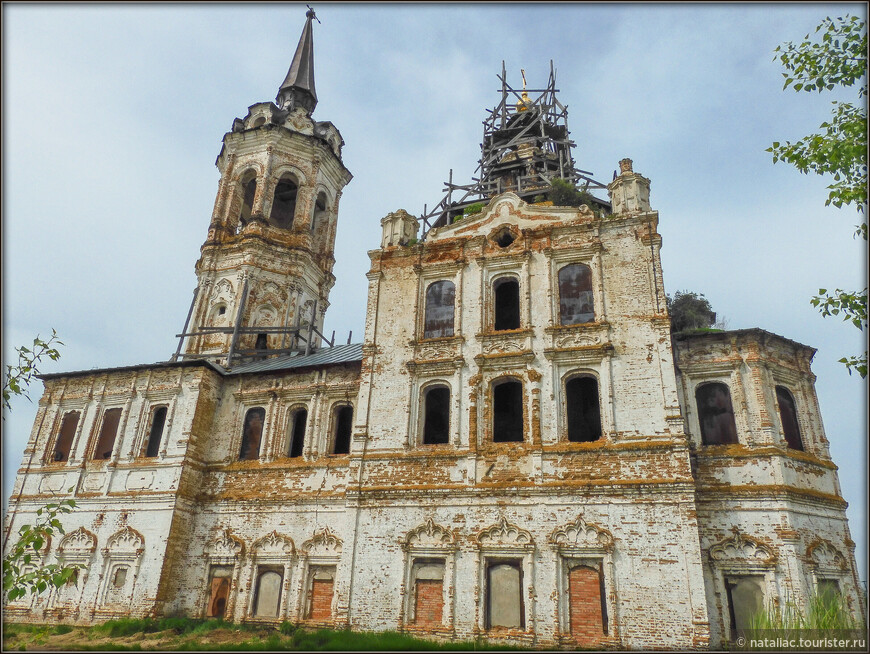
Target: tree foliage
23,569
690,311
838,59
563,193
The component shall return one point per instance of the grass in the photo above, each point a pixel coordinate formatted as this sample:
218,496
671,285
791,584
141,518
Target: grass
186,634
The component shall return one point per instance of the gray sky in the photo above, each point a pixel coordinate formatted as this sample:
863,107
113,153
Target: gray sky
113,117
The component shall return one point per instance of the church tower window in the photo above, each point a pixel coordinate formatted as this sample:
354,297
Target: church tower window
284,201
252,434
583,409
440,297
436,425
108,432
298,422
575,295
715,414
158,420
507,411
788,416
249,191
65,437
343,421
506,291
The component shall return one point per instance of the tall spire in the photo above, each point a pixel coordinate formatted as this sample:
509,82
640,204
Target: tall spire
297,90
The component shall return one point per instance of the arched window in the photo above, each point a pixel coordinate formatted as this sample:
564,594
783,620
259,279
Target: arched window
108,432
343,421
504,595
506,291
63,444
575,295
158,420
252,434
298,422
440,297
507,411
319,216
583,407
715,414
788,416
267,594
284,201
436,421
250,190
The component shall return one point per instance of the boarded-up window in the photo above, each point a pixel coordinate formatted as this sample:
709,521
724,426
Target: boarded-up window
583,408
788,416
586,607
298,422
428,585
108,432
507,411
158,420
219,591
440,298
575,295
343,425
320,591
715,414
745,599
65,438
252,434
267,595
507,304
504,595
436,425
250,190
284,202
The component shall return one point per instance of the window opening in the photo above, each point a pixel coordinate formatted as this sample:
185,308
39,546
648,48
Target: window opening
248,201
252,434
158,421
436,426
267,595
319,211
65,437
504,595
788,416
262,342
575,295
343,427
745,598
108,432
715,414
284,202
507,412
297,434
505,238
584,412
828,590
120,577
320,593
440,298
222,310
428,588
507,303
586,603
219,591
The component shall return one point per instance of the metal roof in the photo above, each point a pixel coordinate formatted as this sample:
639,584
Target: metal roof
300,77
323,357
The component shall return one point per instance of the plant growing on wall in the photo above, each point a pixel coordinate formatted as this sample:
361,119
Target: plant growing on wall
690,311
840,150
22,568
563,193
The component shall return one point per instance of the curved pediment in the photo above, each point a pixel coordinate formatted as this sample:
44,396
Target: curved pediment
824,555
127,541
581,534
504,534
225,544
742,549
274,544
429,534
79,541
323,543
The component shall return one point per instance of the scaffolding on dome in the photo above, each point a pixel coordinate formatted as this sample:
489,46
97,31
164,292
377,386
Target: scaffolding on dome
525,146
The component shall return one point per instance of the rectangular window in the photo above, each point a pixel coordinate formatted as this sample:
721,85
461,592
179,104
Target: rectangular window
267,594
320,591
158,420
108,432
745,598
586,603
219,579
63,445
343,420
504,595
428,589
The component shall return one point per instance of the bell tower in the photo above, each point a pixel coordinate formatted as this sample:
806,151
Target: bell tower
265,270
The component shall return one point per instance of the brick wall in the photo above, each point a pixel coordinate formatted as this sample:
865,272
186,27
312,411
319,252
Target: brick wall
584,601
429,602
321,599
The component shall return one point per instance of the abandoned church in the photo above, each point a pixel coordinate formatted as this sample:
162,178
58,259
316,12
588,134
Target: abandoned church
519,450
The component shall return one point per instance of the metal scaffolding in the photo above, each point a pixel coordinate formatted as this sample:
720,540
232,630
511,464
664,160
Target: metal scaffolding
525,146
